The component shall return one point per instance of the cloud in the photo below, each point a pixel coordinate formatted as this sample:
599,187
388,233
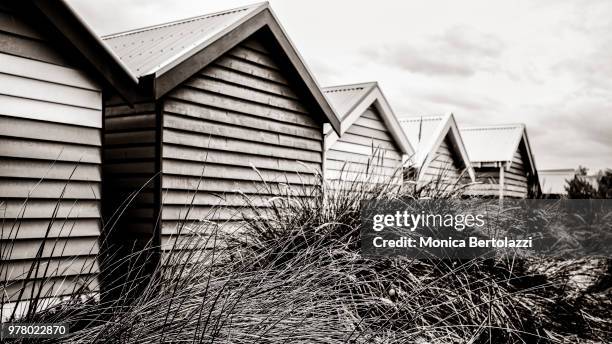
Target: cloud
460,51
463,100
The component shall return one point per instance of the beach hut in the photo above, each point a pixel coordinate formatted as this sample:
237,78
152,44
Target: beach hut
440,153
228,109
503,161
53,71
554,181
371,145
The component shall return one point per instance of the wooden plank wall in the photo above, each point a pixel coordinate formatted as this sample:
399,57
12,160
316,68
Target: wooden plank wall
130,157
50,155
131,193
444,164
515,180
351,157
238,113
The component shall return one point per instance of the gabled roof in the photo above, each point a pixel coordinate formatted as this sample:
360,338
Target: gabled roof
165,55
155,49
496,143
351,101
61,20
426,134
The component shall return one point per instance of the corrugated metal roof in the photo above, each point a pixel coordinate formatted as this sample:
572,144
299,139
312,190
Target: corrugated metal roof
422,133
348,102
344,98
492,143
554,181
147,50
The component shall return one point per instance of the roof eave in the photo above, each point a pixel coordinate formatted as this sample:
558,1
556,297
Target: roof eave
81,36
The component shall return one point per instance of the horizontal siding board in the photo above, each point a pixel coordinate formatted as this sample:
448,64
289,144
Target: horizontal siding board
45,209
253,95
43,71
50,267
62,247
242,120
246,134
365,150
220,143
18,148
129,153
241,106
172,182
51,112
368,141
208,199
51,228
48,131
127,138
237,159
17,86
246,80
129,167
359,158
187,168
15,188
49,170
358,167
369,132
253,56
371,123
51,288
173,212
30,48
132,122
127,110
251,69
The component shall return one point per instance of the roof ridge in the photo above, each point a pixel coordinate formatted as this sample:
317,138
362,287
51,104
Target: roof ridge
180,21
495,126
421,118
348,87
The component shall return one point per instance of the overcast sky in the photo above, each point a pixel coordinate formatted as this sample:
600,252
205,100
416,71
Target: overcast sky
546,63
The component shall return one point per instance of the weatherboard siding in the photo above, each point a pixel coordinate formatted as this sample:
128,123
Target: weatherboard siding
365,152
130,168
443,164
236,129
516,182
50,174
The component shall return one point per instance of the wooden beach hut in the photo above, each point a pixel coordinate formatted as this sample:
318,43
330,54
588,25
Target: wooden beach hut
228,108
53,71
554,181
440,153
371,145
503,161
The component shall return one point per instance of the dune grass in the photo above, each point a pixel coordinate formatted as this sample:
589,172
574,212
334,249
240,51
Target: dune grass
293,274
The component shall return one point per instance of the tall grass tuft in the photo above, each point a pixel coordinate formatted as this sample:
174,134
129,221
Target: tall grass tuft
292,273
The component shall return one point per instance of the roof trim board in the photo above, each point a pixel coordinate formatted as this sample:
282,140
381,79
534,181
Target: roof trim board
74,29
447,126
178,68
373,96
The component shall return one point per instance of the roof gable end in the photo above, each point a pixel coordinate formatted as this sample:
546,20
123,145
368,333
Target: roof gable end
427,133
164,56
351,101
